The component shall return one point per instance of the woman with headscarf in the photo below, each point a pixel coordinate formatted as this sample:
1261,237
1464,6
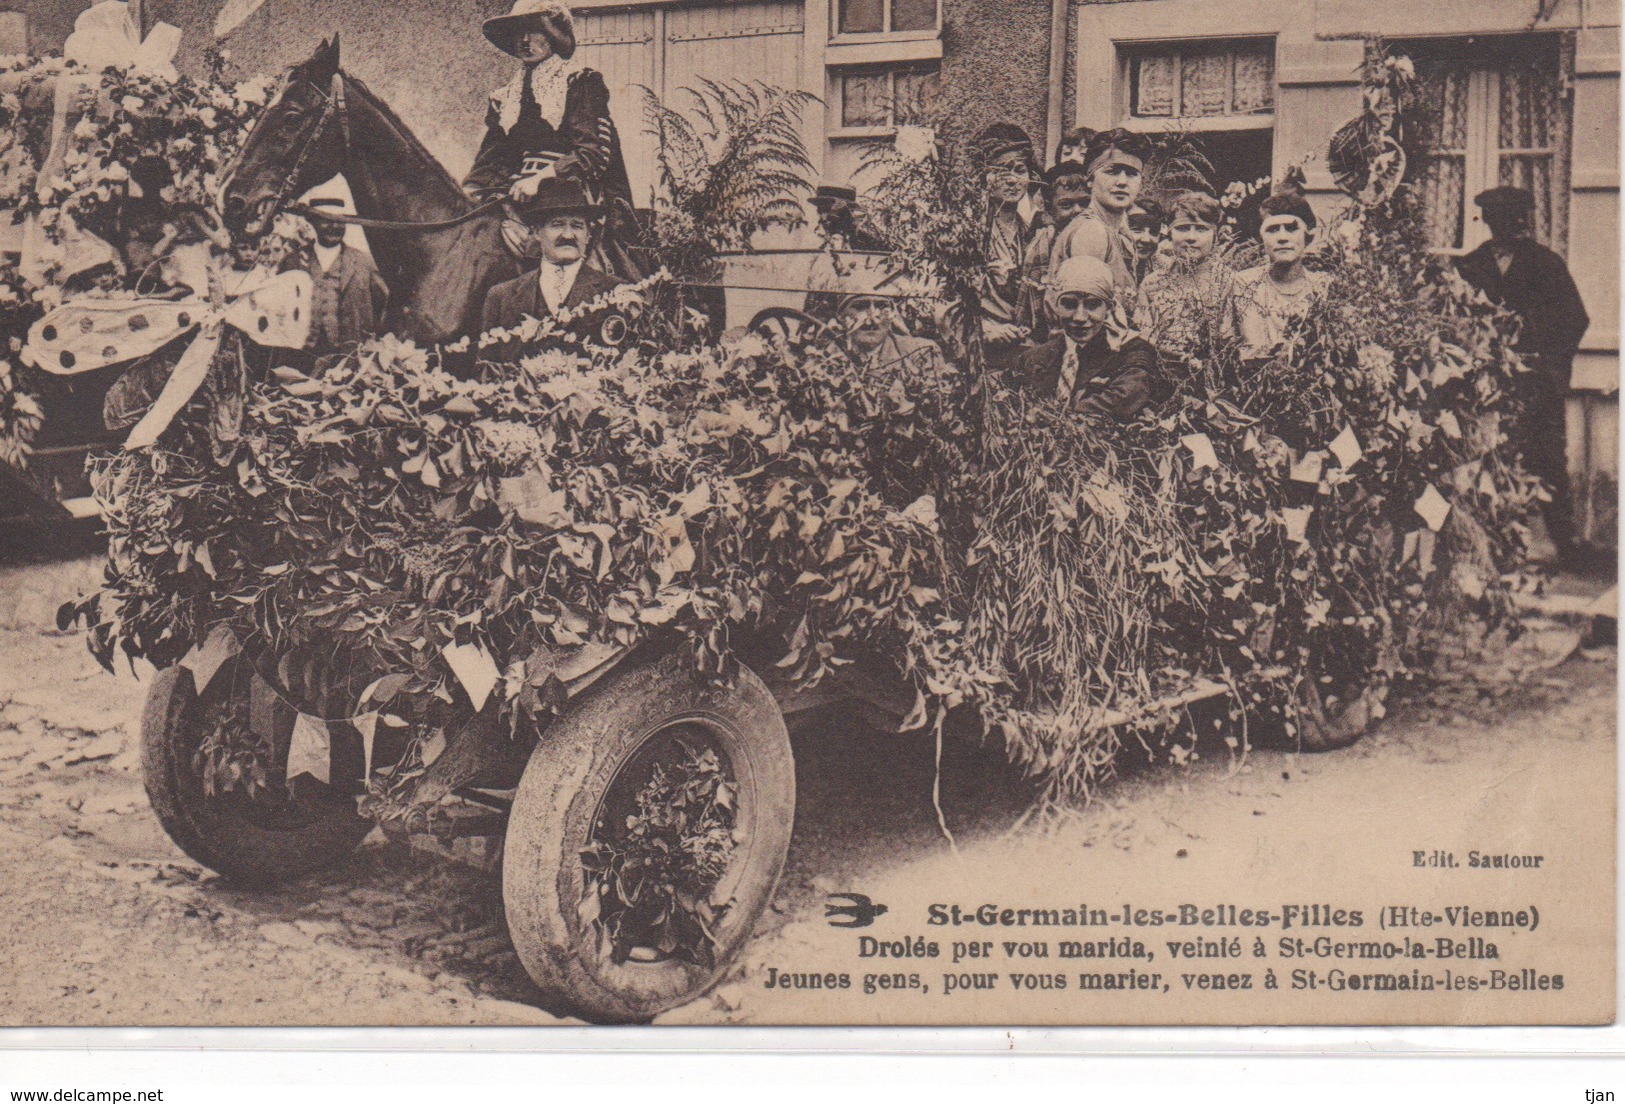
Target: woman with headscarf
1009,168
1116,171
1091,365
552,121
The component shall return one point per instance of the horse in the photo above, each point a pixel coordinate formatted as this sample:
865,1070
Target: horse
436,250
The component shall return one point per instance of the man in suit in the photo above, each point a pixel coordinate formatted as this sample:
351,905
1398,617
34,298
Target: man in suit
866,326
347,296
1085,367
561,220
1533,283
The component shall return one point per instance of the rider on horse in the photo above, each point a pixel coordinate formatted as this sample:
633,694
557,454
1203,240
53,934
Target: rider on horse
552,121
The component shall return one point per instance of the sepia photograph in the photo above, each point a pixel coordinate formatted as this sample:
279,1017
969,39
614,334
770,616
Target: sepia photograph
808,512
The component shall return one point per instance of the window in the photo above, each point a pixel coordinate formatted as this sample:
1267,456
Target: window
1218,94
1207,80
886,97
886,16
1490,113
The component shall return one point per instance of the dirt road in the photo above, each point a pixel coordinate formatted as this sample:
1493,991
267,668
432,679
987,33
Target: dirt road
108,923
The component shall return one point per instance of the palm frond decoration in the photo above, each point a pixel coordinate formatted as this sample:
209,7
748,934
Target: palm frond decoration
734,165
1178,163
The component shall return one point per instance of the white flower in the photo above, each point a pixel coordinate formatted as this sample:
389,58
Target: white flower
208,118
916,144
253,91
1378,365
132,104
116,171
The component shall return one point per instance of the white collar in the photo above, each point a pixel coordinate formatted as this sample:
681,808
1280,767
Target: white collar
549,84
328,255
556,282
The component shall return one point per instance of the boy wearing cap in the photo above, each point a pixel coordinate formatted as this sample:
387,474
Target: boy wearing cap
561,219
868,331
1085,367
347,296
1266,300
1534,283
1009,168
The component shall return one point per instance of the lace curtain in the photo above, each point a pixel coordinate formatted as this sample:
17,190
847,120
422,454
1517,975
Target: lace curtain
1491,115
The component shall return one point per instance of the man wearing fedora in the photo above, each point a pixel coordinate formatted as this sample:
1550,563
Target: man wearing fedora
837,207
347,297
552,121
561,218
1534,283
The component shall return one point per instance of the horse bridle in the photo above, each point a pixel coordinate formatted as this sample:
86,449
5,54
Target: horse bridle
335,103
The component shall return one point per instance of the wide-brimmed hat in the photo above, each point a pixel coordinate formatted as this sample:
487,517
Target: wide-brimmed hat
557,197
828,195
547,16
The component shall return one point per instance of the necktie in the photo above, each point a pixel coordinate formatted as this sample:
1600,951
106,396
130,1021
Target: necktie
1069,372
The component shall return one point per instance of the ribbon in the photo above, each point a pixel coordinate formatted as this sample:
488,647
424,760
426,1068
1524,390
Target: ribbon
88,334
104,35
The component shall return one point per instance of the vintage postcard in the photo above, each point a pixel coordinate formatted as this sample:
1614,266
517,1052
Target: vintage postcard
876,512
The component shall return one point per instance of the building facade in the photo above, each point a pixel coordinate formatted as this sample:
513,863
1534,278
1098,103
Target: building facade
1521,92
1525,92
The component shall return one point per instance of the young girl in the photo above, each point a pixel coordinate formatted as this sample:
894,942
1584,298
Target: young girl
1116,171
1181,306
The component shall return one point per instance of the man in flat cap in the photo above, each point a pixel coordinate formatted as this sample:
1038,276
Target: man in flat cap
1534,283
347,296
837,207
1085,366
561,219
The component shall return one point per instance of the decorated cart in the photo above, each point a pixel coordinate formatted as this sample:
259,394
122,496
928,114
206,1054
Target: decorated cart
563,606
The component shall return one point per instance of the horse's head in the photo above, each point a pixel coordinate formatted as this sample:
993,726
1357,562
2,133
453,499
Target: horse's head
298,143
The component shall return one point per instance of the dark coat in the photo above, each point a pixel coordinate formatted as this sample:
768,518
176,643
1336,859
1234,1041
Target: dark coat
588,145
1537,288
347,302
1115,383
511,302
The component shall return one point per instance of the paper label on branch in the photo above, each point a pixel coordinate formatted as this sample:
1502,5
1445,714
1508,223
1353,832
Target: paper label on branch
205,660
1297,522
1201,450
475,669
1427,542
1346,447
367,726
1309,468
1433,508
311,749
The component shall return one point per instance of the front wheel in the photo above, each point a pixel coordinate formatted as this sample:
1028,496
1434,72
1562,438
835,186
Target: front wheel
646,837
1327,723
284,831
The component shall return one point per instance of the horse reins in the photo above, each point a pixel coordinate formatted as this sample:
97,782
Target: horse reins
337,104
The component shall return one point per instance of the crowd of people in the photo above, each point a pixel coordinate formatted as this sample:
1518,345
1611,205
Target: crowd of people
1098,291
